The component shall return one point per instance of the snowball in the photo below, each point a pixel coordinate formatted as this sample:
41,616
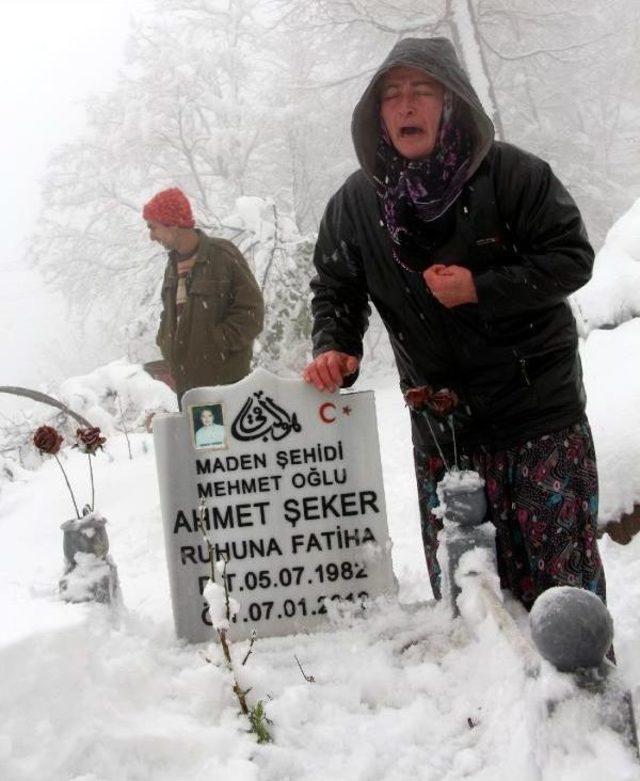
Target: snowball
571,627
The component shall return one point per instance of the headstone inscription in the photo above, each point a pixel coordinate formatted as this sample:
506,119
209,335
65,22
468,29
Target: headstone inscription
288,483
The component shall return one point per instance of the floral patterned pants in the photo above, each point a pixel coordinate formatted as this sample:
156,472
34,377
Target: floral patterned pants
543,500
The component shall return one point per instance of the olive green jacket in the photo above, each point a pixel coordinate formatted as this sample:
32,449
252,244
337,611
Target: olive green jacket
212,341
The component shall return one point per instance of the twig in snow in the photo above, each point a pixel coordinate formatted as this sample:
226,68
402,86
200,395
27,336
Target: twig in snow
308,678
256,715
251,642
124,426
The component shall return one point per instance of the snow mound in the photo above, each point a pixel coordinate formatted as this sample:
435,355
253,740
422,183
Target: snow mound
613,390
116,393
613,294
117,397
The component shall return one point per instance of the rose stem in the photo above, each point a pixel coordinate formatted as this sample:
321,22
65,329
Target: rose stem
437,444
93,490
453,434
66,479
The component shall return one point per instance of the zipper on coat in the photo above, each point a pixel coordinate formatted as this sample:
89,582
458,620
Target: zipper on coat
523,367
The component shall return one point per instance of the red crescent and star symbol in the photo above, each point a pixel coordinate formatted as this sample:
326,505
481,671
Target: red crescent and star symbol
329,412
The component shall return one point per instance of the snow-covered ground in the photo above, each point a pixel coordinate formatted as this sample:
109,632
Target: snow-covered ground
408,693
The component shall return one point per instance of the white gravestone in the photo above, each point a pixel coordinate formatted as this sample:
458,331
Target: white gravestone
293,497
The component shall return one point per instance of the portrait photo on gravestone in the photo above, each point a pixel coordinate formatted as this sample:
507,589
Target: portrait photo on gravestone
208,426
291,502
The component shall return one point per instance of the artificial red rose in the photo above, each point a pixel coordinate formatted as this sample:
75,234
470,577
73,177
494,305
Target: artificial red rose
417,398
443,402
47,440
89,440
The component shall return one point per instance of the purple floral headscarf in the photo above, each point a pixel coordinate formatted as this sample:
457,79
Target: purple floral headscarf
414,192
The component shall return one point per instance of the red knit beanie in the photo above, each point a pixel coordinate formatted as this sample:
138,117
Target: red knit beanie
170,208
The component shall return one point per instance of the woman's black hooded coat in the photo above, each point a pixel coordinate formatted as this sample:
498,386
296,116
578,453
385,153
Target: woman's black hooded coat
512,357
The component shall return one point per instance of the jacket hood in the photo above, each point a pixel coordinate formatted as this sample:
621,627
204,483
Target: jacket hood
437,57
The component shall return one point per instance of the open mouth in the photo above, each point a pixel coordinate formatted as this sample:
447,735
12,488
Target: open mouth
410,130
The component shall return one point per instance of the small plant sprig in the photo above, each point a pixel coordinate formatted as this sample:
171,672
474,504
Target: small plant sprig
89,440
257,718
442,403
260,723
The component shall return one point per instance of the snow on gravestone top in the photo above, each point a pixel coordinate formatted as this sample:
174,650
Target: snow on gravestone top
292,486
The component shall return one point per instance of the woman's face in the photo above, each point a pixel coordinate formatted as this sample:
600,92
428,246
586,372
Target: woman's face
411,106
206,417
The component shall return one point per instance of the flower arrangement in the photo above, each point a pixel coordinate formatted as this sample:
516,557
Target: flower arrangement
90,573
460,491
88,440
442,402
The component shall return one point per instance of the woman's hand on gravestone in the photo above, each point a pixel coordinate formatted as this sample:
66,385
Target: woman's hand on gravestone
328,370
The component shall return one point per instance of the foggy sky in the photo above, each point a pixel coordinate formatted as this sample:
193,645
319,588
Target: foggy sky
53,54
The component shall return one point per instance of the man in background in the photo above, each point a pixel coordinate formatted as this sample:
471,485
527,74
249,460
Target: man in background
212,305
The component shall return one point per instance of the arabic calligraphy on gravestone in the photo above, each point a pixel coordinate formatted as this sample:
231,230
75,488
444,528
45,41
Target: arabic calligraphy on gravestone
291,486
260,417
